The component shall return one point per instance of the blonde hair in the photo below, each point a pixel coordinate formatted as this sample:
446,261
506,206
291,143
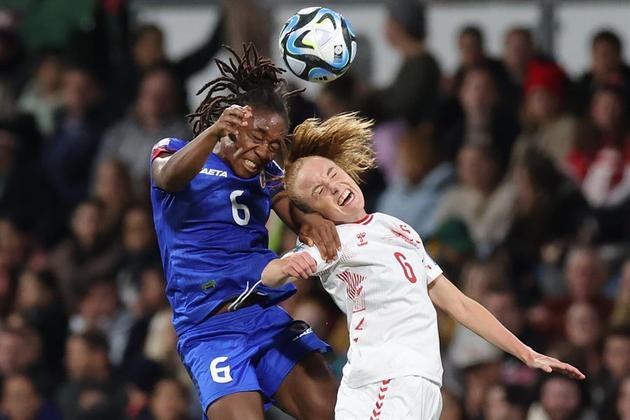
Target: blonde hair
345,138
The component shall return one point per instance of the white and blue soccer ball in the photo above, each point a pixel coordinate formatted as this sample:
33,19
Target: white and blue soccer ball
317,44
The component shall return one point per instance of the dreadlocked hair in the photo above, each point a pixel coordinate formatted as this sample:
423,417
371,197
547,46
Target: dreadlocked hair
245,80
346,139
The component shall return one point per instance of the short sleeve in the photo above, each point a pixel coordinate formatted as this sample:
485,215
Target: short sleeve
273,178
168,145
432,269
322,265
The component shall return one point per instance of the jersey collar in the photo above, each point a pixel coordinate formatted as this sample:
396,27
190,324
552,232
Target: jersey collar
365,219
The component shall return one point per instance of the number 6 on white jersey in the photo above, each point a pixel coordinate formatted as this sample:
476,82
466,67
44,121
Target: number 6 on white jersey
241,221
220,375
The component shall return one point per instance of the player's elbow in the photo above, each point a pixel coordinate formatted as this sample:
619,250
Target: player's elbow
463,308
170,184
164,177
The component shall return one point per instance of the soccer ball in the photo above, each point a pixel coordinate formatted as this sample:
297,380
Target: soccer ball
317,44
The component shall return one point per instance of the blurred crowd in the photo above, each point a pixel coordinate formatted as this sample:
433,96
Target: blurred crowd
516,176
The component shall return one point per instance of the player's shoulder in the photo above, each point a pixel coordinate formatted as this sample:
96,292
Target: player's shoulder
167,145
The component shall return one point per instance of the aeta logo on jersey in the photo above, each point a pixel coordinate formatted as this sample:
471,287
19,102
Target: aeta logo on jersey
213,172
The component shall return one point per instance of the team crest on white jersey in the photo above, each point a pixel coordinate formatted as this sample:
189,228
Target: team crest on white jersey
354,289
405,234
214,172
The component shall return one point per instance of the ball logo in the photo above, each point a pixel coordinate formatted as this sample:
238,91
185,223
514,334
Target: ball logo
338,54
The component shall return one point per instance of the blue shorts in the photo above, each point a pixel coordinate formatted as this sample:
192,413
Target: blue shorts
251,349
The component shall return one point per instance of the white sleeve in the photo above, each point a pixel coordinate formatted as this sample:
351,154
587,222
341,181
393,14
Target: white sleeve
322,265
433,270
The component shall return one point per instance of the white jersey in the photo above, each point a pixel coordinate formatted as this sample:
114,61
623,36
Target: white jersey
380,281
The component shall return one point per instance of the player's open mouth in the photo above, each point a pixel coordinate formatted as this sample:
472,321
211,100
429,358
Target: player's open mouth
345,198
250,165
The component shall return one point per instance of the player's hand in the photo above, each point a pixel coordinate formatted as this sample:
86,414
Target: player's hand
548,364
321,233
231,121
297,266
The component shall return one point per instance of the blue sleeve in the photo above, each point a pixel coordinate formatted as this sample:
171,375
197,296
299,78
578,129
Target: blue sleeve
274,178
168,145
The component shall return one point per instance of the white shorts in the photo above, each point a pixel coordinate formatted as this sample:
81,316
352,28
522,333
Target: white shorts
409,397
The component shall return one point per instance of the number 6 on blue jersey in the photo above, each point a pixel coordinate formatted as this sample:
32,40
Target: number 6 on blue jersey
241,221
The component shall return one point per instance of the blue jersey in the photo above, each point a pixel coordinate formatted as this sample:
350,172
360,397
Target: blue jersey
212,237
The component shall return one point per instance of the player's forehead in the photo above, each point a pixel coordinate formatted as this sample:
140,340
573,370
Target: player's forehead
269,123
313,169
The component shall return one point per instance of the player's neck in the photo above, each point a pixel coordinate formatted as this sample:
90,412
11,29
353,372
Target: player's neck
357,216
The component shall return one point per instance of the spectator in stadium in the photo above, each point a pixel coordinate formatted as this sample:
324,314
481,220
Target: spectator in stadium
91,389
518,50
451,406
340,95
474,116
621,311
21,353
99,308
140,251
503,402
607,67
15,250
584,274
12,71
84,256
150,299
148,51
22,401
583,330
622,403
112,186
480,365
414,93
156,114
560,399
169,401
23,188
503,303
425,178
75,138
480,199
546,126
600,160
616,367
160,345
42,95
548,209
37,301
472,53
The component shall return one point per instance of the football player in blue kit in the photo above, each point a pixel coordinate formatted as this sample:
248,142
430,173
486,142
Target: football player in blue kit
210,206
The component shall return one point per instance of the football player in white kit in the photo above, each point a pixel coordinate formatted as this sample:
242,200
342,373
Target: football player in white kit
383,280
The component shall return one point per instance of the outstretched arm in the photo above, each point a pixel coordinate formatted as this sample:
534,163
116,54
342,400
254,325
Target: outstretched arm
478,319
173,172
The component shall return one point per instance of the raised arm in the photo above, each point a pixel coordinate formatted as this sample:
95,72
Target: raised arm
172,172
475,317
